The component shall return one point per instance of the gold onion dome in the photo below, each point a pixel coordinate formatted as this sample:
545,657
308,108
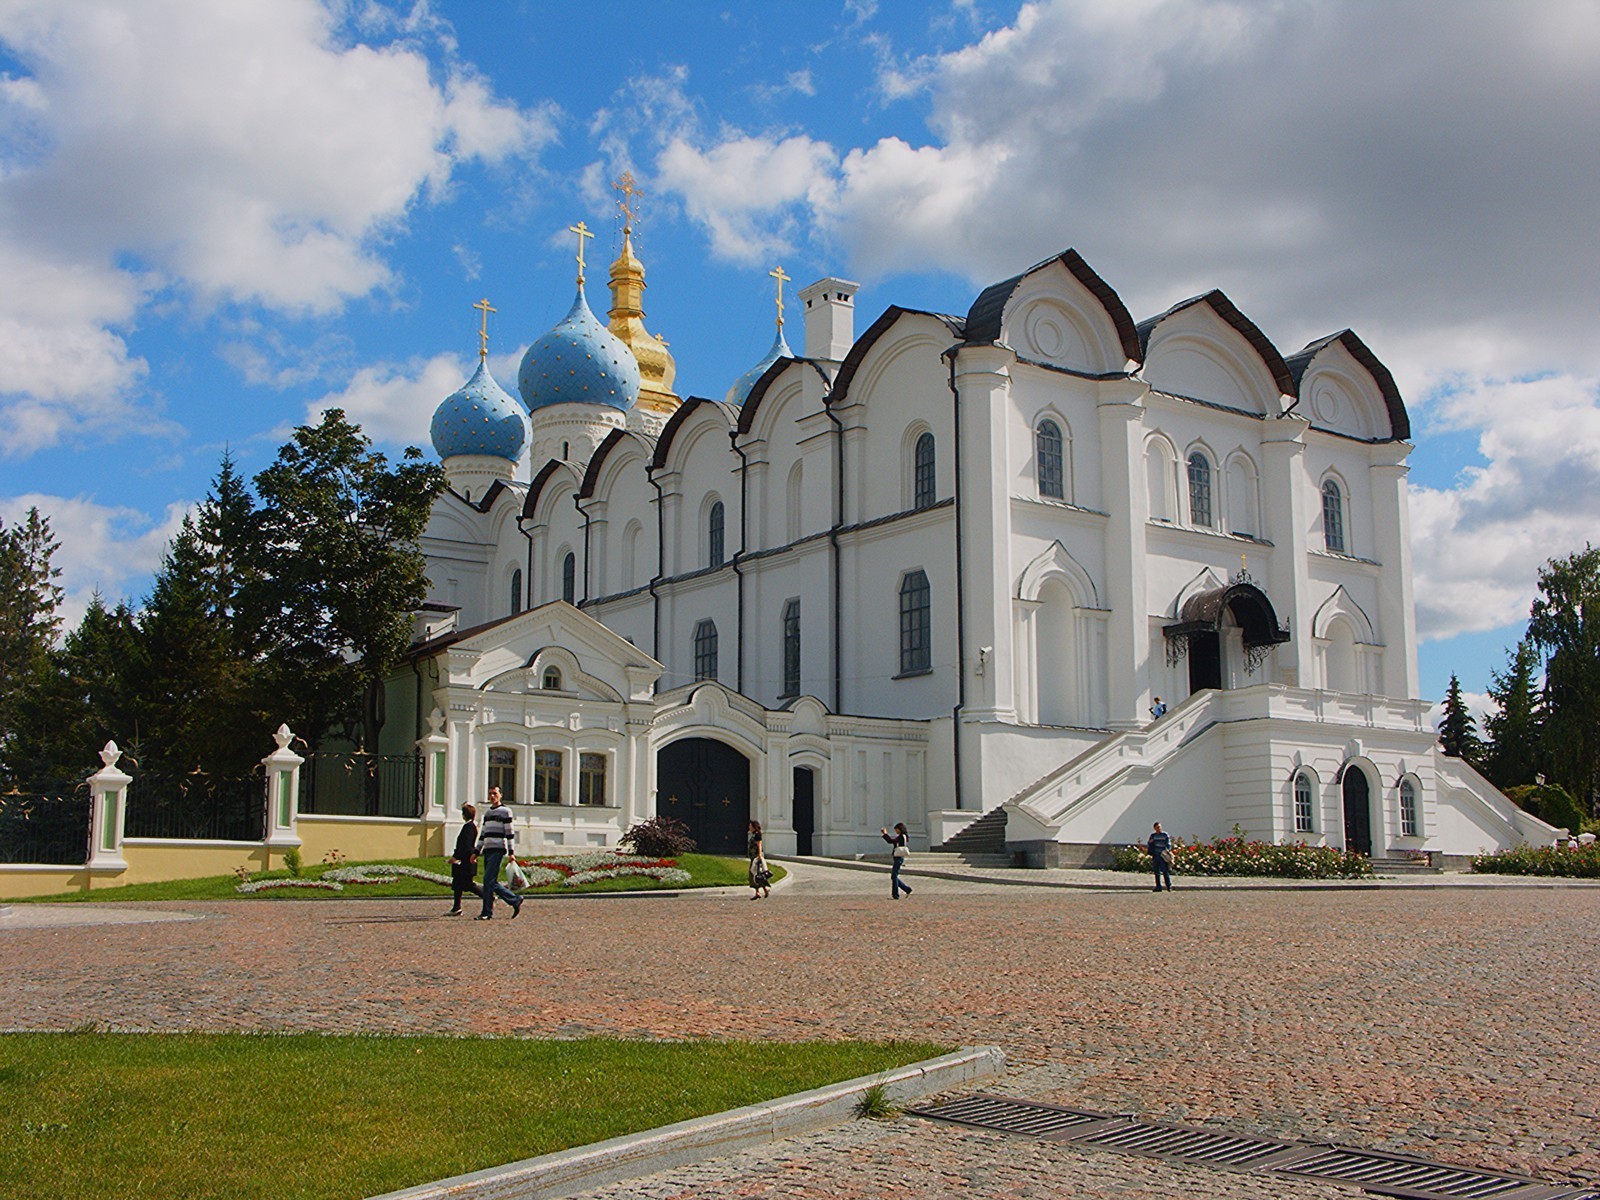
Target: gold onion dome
656,367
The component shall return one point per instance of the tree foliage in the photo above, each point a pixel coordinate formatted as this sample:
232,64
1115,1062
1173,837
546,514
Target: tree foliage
1458,732
1514,746
1565,627
29,621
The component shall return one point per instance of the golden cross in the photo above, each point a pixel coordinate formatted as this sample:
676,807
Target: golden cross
582,231
629,188
777,273
483,329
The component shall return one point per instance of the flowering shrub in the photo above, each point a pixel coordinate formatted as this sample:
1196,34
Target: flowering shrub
662,837
261,885
1581,863
1236,856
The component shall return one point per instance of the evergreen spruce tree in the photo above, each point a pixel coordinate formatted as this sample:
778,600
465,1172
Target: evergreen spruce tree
1458,732
1514,753
29,624
1565,627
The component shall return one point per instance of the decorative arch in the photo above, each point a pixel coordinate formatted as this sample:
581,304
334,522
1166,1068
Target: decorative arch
1161,478
1203,614
1060,655
1057,563
1335,537
1341,605
1205,344
1206,580
1070,281
1242,495
1357,376
1201,495
1052,455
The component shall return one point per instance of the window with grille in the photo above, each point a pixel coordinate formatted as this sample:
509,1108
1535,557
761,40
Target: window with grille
924,489
1332,516
916,643
547,777
503,772
1409,826
592,779
705,650
1200,490
1303,811
791,647
714,535
1048,446
569,578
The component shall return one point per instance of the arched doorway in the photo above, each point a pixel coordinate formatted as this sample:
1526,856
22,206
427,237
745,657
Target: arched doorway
1057,656
706,785
1357,810
1240,613
805,810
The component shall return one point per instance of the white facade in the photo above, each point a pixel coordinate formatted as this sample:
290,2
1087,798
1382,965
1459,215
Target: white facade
997,539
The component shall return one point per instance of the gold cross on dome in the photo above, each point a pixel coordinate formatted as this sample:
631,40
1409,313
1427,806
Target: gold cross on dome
777,273
583,233
629,188
483,328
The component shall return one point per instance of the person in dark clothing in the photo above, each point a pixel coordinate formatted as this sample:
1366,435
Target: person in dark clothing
897,857
464,862
1160,847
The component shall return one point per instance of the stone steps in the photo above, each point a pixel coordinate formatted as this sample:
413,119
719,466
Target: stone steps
986,835
1403,866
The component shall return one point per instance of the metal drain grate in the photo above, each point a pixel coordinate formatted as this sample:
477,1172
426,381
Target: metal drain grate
1383,1174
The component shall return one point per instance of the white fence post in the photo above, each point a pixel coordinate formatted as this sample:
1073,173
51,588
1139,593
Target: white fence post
283,792
108,812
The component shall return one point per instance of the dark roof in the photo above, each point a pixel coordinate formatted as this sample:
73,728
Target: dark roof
864,343
675,423
1203,612
987,311
1300,362
591,477
543,477
1225,309
758,391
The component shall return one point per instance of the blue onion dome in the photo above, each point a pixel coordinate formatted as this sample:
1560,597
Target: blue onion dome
580,361
481,418
741,387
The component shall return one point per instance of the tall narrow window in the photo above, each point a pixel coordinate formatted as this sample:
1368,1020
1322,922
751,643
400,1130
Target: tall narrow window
791,647
916,644
503,772
592,779
547,777
714,523
1302,803
924,489
1408,809
516,592
705,650
1047,445
569,578
1332,516
1200,490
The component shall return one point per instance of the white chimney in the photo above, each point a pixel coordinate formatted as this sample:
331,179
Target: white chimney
830,318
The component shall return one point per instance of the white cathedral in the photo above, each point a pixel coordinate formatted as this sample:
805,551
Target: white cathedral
939,572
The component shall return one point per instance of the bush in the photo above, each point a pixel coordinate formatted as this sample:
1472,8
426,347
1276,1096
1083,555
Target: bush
1582,863
660,837
1236,856
1551,803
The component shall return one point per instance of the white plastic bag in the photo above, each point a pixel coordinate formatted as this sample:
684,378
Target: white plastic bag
515,878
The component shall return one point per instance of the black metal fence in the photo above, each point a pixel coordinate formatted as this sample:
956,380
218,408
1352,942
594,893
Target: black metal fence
362,785
196,805
49,828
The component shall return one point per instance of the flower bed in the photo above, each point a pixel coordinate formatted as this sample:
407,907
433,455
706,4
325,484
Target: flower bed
262,885
573,870
1237,856
1582,862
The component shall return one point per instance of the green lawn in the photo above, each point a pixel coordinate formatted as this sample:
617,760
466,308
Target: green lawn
705,870
237,1116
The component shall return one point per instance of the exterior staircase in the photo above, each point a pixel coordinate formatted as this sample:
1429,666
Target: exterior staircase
980,844
1404,866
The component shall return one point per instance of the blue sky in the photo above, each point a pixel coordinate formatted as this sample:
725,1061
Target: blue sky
216,219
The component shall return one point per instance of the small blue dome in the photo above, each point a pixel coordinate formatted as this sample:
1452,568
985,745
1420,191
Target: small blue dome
580,361
740,390
481,418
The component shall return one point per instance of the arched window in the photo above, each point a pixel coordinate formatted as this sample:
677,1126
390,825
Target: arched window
569,578
714,534
516,592
552,679
1047,445
1409,825
1200,511
1333,516
791,647
1304,808
916,640
924,490
795,523
705,650
1243,510
1161,479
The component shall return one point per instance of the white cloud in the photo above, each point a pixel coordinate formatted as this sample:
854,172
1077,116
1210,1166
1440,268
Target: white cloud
244,152
743,189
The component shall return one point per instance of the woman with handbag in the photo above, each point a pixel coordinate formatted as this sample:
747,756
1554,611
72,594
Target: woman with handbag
760,873
897,857
464,862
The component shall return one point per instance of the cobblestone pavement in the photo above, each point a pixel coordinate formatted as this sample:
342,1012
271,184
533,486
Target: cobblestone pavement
1448,1023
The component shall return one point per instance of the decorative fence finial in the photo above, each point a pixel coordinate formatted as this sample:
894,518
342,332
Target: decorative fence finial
110,754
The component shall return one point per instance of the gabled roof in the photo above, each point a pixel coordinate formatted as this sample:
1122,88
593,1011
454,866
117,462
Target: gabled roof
864,343
591,477
581,623
988,310
1225,309
758,391
1300,362
531,500
676,422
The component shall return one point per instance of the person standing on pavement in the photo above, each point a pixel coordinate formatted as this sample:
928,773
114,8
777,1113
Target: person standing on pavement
1160,847
497,841
760,873
897,858
464,862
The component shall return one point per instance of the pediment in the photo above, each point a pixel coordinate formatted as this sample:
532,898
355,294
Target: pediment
508,654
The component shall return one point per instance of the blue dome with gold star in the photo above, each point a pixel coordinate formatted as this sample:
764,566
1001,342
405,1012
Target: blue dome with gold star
740,390
481,418
580,361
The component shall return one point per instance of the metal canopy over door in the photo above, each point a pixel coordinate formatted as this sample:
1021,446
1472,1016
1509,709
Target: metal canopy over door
706,785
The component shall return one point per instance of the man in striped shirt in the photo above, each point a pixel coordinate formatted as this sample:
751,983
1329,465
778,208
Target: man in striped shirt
1160,847
497,840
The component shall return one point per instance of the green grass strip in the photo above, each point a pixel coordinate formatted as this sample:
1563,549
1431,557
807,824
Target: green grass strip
240,1116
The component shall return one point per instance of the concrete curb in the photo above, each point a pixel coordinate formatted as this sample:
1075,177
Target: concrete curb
585,1168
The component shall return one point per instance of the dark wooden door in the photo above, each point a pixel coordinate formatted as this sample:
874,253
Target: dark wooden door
1357,811
1205,662
706,785
805,811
